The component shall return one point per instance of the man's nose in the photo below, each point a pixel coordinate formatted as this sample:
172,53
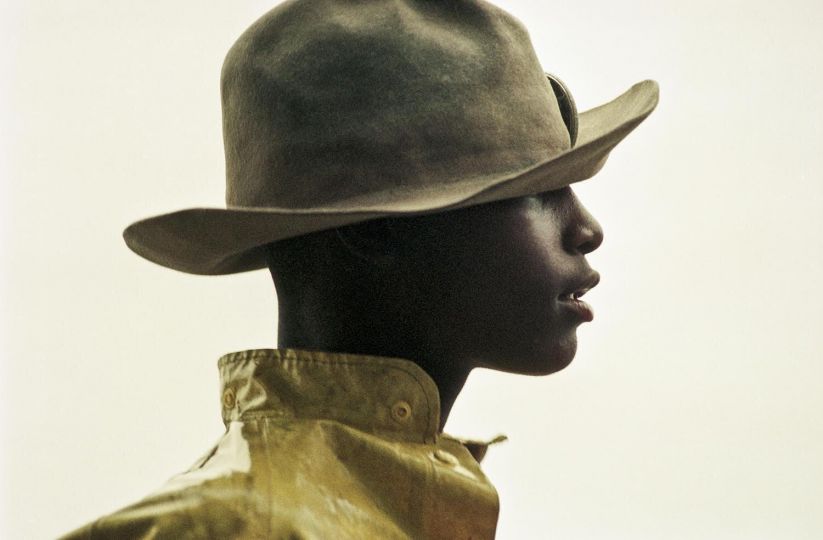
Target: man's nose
584,234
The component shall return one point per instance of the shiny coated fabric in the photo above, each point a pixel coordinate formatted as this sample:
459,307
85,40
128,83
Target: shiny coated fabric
320,445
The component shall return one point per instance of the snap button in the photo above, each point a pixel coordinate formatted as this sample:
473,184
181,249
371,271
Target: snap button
445,457
401,411
229,398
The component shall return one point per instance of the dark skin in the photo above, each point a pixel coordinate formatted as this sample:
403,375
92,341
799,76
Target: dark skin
486,286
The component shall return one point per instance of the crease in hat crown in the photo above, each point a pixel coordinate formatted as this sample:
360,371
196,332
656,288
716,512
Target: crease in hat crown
337,112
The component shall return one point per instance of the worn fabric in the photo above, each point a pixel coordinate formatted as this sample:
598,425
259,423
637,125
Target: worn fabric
339,112
317,446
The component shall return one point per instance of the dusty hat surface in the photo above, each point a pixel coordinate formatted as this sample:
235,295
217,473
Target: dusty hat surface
340,112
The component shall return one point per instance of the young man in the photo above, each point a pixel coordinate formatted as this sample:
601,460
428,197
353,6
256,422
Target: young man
402,169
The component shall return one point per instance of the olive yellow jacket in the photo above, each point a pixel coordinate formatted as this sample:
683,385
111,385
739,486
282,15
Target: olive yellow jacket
320,446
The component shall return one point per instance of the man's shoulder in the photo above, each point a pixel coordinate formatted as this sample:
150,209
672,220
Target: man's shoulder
196,512
270,477
285,483
215,498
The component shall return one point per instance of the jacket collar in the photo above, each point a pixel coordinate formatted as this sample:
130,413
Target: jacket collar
389,397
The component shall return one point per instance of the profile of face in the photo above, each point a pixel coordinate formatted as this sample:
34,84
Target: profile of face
499,283
493,285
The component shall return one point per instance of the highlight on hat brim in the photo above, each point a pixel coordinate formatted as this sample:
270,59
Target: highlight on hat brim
215,241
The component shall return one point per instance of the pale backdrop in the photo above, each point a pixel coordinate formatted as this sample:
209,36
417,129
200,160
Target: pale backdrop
693,407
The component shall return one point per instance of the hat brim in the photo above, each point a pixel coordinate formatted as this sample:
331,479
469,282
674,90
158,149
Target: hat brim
215,241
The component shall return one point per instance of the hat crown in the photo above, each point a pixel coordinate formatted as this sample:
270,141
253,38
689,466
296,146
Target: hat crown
329,103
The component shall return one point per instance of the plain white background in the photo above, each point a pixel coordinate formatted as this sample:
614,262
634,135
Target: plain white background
693,407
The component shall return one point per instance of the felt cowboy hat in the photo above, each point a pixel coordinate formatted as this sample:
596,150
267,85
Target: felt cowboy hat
339,112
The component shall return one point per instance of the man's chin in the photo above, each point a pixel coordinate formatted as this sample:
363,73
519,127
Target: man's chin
556,364
545,361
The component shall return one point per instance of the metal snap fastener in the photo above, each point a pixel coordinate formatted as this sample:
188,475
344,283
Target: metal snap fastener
445,457
229,398
401,411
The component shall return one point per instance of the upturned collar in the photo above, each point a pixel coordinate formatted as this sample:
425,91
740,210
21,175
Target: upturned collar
390,397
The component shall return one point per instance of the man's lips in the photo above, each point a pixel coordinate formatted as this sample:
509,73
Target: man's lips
571,298
582,286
